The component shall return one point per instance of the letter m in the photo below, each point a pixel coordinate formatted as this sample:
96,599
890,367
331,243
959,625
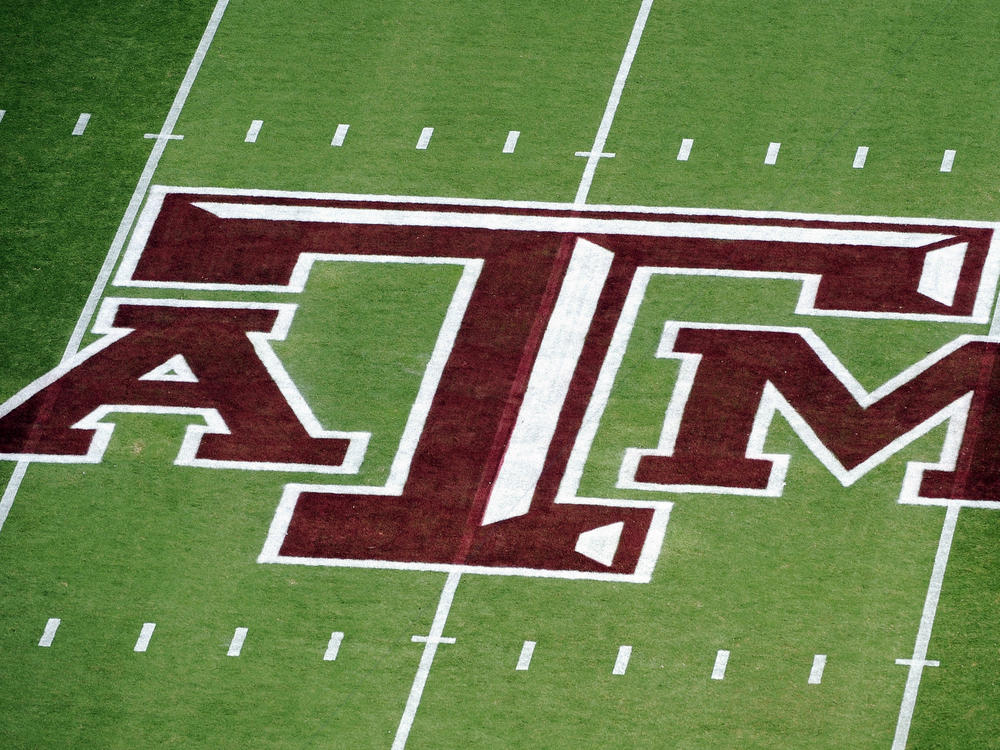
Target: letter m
733,379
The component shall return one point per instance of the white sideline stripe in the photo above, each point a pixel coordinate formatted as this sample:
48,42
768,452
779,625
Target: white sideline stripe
81,123
333,647
524,660
772,153
548,384
159,145
621,662
253,131
340,135
816,673
919,660
685,151
425,138
236,645
50,632
948,160
424,670
511,143
144,637
601,139
721,661
860,157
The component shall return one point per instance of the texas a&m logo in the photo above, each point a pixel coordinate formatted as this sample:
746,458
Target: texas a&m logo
487,473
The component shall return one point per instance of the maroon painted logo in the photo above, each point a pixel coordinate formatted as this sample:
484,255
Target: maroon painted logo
487,473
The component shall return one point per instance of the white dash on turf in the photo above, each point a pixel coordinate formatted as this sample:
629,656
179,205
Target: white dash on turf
685,150
2,113
816,674
81,123
721,660
425,138
144,636
50,632
336,638
860,157
772,153
948,160
340,135
511,143
253,131
236,645
524,660
621,663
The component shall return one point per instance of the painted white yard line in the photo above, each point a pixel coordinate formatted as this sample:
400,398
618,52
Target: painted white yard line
721,661
333,647
948,160
816,673
596,152
253,131
919,659
50,632
13,485
425,138
860,157
81,123
340,134
621,661
772,153
236,645
2,113
524,660
144,637
511,143
431,642
685,151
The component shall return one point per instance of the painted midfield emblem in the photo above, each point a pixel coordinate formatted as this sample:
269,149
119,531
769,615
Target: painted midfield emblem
487,474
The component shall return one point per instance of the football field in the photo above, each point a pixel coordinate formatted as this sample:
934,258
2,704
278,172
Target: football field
517,375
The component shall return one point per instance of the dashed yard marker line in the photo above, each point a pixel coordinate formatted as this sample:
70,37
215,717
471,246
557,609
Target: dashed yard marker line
860,157
144,637
50,632
425,139
340,134
621,661
685,150
236,645
81,123
2,113
816,673
524,660
948,160
511,143
253,131
721,661
772,153
333,647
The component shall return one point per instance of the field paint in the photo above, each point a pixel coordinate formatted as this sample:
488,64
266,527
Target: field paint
425,138
721,661
333,647
144,637
941,273
524,660
81,123
50,632
685,150
511,143
772,153
2,113
253,131
860,157
340,134
548,384
424,669
600,140
919,659
10,492
621,662
948,160
236,645
168,137
816,673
